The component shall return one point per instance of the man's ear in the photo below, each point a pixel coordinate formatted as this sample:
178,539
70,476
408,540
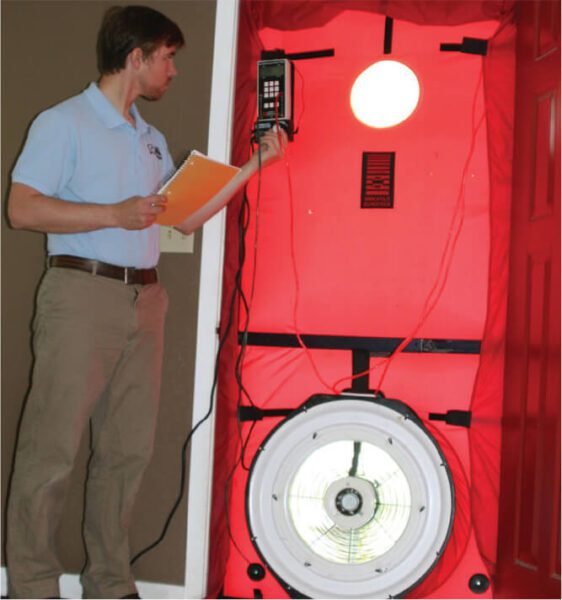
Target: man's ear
135,58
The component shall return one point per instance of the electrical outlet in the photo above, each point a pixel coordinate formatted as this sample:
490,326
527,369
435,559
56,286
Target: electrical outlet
172,240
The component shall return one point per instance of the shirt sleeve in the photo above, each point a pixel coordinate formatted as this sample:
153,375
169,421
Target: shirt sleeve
46,162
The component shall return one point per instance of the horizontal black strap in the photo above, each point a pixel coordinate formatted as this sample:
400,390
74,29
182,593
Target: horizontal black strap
462,418
253,413
468,46
375,345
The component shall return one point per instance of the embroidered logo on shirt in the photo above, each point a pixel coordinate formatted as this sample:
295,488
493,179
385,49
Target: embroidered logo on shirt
155,150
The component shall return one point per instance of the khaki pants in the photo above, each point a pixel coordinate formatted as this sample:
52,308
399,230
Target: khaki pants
98,354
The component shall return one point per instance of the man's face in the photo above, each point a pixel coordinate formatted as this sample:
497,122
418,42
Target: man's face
157,72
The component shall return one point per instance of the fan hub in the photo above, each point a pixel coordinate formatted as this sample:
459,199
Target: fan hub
350,502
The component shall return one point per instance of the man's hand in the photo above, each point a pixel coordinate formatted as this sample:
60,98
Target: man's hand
272,147
139,212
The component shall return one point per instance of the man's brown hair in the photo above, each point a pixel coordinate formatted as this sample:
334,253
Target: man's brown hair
125,28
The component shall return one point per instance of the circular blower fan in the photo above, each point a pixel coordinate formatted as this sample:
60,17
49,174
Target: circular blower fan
350,497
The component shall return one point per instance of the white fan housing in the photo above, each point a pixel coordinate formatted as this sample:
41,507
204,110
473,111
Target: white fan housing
350,497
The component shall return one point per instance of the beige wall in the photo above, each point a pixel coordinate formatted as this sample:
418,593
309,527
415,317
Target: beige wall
48,54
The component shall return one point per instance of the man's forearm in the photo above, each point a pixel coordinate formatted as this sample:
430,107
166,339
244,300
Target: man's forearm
218,202
29,209
272,147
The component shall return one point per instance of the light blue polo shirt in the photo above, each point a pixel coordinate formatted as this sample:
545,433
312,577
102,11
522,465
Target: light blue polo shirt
84,150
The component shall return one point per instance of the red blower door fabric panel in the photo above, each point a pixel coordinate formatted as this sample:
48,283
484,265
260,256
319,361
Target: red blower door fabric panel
317,263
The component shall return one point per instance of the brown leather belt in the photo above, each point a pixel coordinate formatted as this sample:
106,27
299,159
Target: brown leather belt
128,275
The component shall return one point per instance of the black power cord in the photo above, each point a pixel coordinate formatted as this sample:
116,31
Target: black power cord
243,224
241,354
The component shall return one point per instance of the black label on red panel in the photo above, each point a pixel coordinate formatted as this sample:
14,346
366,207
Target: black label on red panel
377,180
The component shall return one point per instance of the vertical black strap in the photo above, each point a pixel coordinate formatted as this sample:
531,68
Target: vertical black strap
360,364
388,35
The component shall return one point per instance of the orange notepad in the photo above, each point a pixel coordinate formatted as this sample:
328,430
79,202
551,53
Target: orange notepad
196,181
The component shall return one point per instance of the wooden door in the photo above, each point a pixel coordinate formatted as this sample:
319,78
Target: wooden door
529,536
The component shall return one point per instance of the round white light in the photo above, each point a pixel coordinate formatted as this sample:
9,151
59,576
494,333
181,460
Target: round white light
385,94
350,498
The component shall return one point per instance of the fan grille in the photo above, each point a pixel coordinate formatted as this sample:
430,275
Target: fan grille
362,475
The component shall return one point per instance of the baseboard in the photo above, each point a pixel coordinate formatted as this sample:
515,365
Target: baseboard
70,588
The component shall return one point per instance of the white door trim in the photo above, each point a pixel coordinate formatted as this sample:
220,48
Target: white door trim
210,287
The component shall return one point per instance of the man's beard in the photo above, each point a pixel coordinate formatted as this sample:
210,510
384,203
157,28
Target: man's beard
153,96
156,93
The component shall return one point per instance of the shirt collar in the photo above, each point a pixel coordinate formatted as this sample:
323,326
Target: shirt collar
109,114
142,125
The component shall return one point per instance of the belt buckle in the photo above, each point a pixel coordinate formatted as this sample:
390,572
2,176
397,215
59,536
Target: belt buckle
127,280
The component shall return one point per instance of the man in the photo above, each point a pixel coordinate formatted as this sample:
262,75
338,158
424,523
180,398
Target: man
87,177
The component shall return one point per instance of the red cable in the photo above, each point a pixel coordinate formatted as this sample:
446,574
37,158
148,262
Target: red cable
441,278
294,264
445,262
297,286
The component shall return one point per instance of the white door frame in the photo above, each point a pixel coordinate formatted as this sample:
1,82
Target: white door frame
210,287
